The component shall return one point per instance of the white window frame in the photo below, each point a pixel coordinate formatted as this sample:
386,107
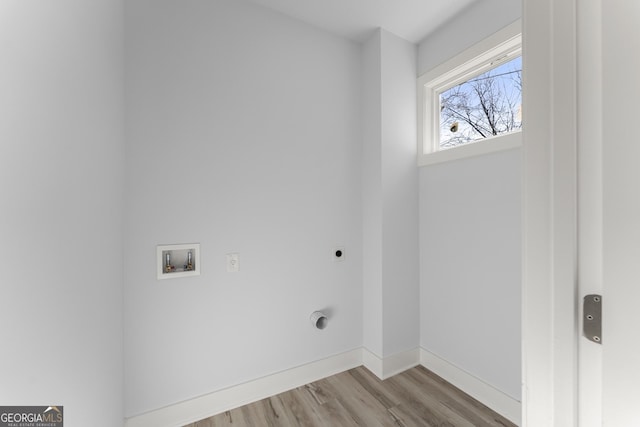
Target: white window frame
501,47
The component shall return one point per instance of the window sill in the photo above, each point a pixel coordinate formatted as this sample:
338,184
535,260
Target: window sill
493,145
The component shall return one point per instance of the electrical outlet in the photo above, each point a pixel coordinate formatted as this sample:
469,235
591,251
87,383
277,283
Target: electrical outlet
233,263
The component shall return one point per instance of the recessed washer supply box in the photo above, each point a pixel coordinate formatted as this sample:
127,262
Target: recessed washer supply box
178,260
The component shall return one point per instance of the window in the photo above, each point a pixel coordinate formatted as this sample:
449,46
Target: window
471,105
482,107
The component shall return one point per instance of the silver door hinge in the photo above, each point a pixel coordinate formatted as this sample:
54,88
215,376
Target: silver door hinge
592,318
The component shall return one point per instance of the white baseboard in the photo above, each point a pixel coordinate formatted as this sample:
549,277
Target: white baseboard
189,411
392,365
500,402
372,362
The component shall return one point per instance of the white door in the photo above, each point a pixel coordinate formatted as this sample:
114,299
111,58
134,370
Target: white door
621,213
609,208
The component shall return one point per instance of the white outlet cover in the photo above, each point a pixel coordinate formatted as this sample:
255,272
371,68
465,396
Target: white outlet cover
233,263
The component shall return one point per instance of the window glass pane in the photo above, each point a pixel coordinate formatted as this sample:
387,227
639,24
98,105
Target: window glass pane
482,107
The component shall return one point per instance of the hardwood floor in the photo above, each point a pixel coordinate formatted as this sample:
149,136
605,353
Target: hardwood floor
414,398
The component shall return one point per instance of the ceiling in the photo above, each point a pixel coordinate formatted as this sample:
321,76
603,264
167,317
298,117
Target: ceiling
356,19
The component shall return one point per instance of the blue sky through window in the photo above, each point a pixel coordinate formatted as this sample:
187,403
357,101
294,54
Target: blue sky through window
484,106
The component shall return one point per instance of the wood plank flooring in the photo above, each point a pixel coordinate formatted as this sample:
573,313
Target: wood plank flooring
414,398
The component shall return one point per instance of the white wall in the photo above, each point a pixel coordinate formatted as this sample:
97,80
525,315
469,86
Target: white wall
470,266
400,271
244,134
372,194
478,21
61,169
390,189
470,235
